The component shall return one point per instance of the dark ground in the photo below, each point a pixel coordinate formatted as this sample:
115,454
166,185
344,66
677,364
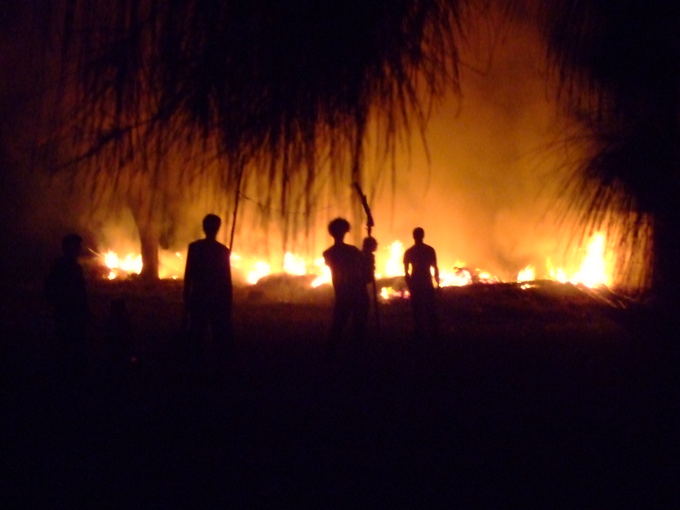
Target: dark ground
539,398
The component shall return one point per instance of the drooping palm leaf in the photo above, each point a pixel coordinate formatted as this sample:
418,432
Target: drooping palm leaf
282,87
618,65
277,85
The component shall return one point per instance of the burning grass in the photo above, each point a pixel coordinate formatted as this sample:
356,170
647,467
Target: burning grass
297,274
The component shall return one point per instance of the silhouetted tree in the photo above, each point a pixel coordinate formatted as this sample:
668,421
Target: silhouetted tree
277,88
280,87
618,63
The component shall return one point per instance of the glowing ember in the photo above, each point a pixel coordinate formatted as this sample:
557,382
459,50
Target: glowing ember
387,293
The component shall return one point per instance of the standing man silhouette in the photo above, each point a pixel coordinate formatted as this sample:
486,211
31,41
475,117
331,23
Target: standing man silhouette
208,288
418,260
65,290
348,270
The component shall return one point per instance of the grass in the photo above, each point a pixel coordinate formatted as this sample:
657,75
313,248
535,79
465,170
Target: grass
545,396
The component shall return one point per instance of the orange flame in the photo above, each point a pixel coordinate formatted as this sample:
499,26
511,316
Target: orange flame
595,269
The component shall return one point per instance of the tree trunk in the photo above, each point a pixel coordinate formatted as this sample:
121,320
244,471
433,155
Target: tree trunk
147,221
666,277
666,246
149,238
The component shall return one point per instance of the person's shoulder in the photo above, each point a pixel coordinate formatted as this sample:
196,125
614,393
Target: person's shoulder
214,246
350,252
56,267
196,243
64,264
200,243
342,251
223,248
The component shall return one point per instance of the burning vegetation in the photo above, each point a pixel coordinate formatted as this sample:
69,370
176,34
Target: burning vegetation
285,106
470,176
594,269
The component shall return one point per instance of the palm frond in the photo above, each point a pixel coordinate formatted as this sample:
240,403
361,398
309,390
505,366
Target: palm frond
273,87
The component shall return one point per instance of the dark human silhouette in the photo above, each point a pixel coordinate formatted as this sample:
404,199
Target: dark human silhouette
419,259
368,248
119,333
65,290
349,273
208,288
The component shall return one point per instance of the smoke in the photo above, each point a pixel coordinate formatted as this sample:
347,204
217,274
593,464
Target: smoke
486,182
486,179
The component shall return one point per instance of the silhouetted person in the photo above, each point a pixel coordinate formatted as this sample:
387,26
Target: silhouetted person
65,291
119,332
207,287
368,248
348,270
419,259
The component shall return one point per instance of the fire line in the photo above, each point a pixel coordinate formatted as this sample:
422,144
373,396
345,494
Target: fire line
594,269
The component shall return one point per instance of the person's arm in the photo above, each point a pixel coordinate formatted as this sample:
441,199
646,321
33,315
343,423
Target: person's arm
436,267
230,289
82,290
407,275
51,292
188,277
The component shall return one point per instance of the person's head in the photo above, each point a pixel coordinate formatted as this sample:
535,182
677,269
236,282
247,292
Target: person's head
211,224
418,235
370,245
337,228
70,245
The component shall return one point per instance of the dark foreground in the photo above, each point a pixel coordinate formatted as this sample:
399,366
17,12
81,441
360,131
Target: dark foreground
543,398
